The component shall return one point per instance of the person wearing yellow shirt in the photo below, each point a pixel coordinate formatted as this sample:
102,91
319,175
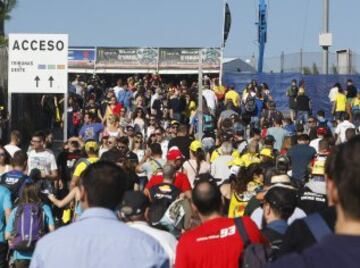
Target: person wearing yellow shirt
355,110
91,150
218,89
232,95
251,156
339,104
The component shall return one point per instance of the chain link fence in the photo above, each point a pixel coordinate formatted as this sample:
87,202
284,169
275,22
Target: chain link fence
308,63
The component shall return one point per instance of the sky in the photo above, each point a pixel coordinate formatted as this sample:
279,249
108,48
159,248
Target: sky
292,24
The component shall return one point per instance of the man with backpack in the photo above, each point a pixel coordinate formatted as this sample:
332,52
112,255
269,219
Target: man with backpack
152,161
216,242
28,222
15,179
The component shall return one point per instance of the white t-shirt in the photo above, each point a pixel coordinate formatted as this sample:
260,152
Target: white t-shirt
210,97
166,240
11,149
44,161
332,94
341,129
220,168
117,89
315,144
190,167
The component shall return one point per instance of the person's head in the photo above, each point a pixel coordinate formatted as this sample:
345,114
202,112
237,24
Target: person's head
19,160
15,137
206,199
155,149
303,139
89,118
4,156
168,172
311,122
152,120
279,203
182,130
102,184
91,148
113,120
130,131
255,172
320,114
137,141
133,206
226,148
278,122
349,133
37,140
139,113
342,171
30,194
253,147
197,152
175,157
112,100
159,133
123,144
287,143
321,132
293,83
349,82
111,142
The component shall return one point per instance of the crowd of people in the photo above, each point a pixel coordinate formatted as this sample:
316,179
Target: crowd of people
138,184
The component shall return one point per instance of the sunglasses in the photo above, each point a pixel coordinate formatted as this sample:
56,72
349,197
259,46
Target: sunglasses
158,134
35,141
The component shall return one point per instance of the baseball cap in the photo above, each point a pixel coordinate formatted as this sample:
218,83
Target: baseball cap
91,145
174,154
266,152
133,203
174,122
321,131
195,145
282,198
284,179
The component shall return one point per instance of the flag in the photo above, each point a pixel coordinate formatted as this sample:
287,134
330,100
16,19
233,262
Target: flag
227,23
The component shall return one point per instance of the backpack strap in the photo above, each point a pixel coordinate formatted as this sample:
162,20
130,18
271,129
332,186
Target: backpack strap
317,226
242,231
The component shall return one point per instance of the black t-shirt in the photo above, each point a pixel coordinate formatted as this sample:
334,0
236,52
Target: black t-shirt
66,163
310,201
298,236
176,105
183,143
303,103
351,91
300,156
158,106
164,191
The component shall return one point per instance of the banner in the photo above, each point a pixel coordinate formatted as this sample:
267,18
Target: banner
81,57
188,58
227,23
127,58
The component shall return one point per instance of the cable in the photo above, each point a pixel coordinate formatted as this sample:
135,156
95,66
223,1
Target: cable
305,23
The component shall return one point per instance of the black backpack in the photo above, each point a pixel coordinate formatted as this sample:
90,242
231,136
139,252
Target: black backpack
254,255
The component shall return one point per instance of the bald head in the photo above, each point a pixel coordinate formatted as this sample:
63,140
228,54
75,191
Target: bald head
169,172
206,197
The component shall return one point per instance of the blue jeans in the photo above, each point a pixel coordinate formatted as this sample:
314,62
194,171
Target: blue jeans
302,116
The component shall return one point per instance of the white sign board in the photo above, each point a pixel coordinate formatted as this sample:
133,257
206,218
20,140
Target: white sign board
38,63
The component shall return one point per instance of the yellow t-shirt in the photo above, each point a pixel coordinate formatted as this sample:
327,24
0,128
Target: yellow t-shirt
238,203
233,96
340,102
248,159
355,103
83,165
219,91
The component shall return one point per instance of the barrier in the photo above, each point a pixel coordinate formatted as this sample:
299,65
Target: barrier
317,87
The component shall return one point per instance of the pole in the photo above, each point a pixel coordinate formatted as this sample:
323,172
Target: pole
282,62
325,30
200,100
222,45
301,60
65,113
9,104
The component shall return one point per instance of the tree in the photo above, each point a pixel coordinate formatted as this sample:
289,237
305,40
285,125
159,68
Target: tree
6,6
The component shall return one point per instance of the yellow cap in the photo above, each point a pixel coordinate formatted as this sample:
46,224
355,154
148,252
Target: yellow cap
195,145
91,145
266,152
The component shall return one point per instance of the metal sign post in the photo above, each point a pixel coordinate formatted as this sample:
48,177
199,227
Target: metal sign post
200,99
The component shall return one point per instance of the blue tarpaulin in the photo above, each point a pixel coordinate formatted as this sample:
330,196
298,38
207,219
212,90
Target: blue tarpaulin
317,87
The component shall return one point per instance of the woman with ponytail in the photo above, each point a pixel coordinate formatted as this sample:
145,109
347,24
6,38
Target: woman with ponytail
197,163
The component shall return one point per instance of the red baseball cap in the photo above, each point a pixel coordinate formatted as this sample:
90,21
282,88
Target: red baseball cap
174,154
321,131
